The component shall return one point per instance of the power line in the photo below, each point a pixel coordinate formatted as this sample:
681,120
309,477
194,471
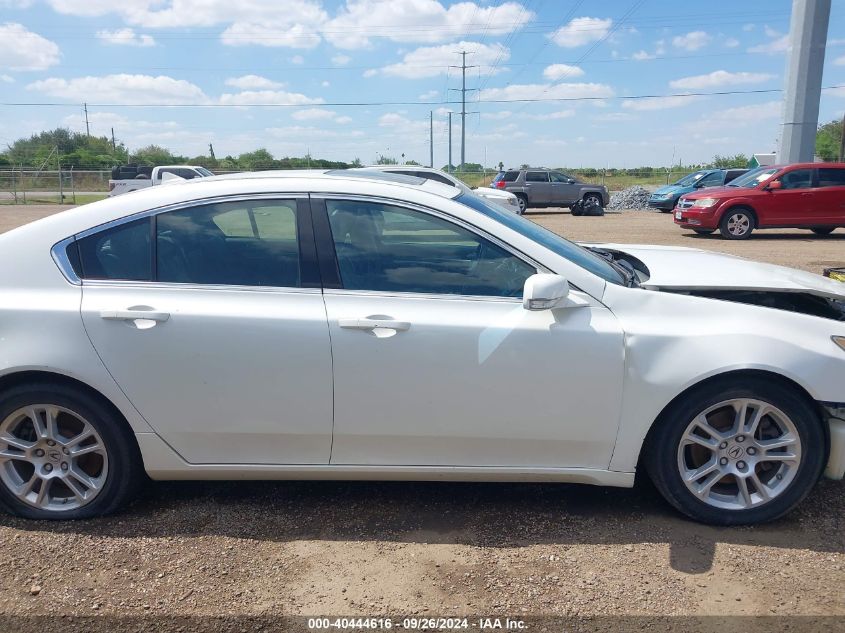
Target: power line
341,104
464,91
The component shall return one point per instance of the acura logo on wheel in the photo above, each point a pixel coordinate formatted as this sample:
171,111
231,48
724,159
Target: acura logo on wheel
735,452
54,455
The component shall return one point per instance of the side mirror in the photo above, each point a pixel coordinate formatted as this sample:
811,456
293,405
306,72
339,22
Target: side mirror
570,181
775,184
544,291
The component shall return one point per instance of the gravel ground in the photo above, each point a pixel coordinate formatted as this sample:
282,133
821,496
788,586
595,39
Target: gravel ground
254,552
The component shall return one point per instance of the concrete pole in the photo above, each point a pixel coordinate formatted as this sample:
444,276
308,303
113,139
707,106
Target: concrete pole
805,61
449,169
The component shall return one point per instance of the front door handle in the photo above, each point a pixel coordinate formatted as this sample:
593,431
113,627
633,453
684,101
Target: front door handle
374,324
132,315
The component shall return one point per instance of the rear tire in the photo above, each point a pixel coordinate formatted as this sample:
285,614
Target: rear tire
823,230
699,468
522,200
105,474
737,224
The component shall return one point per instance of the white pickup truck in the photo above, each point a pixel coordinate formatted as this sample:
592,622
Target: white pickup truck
128,178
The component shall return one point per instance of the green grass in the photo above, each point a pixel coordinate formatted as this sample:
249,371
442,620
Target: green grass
33,197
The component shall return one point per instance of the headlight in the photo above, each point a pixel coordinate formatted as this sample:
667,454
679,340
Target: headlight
703,203
660,196
840,341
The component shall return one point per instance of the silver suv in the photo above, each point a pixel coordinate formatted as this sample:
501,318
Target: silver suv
548,188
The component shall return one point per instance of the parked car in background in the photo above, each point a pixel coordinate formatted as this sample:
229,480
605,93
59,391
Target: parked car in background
804,195
548,188
360,325
128,178
666,198
502,198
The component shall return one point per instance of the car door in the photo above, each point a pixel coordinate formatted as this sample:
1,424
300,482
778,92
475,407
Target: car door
829,196
437,363
791,205
538,187
563,189
211,319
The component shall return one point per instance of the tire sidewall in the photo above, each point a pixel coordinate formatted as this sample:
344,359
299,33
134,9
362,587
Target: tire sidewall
123,457
662,458
522,204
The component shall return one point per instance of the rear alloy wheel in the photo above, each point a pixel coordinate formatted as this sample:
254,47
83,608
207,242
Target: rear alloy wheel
63,455
823,230
737,224
732,456
523,203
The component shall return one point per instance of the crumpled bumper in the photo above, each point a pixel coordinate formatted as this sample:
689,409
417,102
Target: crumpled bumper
835,414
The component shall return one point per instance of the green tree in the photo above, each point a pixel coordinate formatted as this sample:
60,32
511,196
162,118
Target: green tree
155,155
828,139
386,160
728,162
259,159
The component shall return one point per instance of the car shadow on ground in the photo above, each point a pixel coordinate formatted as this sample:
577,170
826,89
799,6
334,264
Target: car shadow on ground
762,236
475,514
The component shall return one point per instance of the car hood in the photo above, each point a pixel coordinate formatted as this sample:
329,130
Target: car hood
488,192
679,268
671,189
715,192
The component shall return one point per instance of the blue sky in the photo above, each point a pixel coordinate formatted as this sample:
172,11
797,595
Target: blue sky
139,62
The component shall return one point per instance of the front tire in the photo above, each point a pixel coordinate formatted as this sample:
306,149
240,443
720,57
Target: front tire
737,451
64,454
737,224
593,198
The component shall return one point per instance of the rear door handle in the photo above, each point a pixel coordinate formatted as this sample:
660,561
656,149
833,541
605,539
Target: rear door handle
374,324
132,315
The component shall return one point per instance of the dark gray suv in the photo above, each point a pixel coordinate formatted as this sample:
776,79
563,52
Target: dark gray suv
548,188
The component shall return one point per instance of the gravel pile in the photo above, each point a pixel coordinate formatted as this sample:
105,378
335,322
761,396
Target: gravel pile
635,197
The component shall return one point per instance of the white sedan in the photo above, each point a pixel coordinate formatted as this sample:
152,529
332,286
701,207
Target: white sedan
343,325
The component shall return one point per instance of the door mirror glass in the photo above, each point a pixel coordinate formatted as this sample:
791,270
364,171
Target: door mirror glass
543,291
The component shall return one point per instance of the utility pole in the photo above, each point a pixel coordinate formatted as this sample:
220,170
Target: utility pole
431,138
464,90
113,144
449,168
87,129
805,59
211,151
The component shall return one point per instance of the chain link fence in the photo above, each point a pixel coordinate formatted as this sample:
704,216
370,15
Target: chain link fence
79,186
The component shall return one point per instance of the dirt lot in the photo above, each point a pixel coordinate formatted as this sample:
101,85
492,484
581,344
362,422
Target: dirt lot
610,558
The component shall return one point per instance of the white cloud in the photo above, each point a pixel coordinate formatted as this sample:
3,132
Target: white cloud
22,50
718,79
496,116
731,42
740,116
777,43
122,89
556,72
431,61
748,27
692,41
273,33
126,37
253,82
308,132
15,4
353,27
581,31
840,61
659,103
313,114
547,91
611,117
561,114
268,97
297,59
325,84
343,120
7,79
642,56
341,60
428,96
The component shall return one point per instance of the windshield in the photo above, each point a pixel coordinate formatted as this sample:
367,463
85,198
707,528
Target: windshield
754,177
576,254
202,171
691,179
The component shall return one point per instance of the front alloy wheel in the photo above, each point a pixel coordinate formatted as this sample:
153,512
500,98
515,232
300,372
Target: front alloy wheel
737,450
739,454
737,224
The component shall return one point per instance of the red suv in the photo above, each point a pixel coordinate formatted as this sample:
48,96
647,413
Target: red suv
804,195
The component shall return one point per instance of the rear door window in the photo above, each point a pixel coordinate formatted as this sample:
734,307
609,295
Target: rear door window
537,176
119,253
831,177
